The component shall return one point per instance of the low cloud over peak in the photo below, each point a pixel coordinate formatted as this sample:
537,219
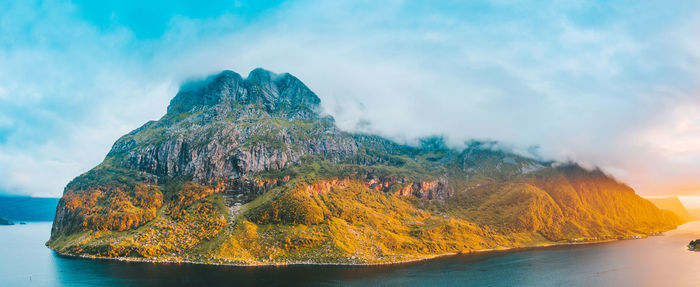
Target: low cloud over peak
611,85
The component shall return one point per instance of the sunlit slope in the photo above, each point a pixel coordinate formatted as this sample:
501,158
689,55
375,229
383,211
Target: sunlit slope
247,171
673,204
563,203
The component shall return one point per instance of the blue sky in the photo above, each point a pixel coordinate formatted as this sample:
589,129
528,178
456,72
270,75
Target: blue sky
608,84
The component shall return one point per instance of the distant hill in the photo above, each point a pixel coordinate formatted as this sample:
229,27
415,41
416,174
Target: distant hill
695,212
674,205
27,208
5,221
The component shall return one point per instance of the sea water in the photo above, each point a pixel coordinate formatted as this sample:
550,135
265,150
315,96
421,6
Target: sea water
654,261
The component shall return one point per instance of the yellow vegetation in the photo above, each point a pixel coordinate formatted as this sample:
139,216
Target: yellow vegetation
112,208
196,221
346,221
351,223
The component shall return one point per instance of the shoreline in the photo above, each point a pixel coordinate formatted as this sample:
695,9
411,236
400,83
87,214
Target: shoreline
302,263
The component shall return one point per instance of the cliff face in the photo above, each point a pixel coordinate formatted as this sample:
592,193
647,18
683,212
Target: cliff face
247,171
229,128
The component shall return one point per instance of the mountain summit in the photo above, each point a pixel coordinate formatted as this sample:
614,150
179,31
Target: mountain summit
280,95
246,171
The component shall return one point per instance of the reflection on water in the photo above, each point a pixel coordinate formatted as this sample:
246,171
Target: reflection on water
656,261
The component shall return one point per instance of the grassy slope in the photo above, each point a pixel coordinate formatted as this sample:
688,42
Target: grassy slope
324,218
355,225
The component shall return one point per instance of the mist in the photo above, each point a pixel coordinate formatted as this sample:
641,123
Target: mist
578,83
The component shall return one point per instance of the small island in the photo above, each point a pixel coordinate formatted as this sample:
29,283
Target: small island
692,246
5,221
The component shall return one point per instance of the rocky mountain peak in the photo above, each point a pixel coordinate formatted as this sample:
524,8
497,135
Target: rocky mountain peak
281,95
262,77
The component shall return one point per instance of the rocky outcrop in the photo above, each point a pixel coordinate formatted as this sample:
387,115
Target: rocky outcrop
431,190
434,189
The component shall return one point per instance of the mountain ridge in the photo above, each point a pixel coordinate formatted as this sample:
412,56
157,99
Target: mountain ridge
247,171
25,208
673,204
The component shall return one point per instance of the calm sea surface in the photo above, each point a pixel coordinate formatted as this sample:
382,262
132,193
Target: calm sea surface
655,261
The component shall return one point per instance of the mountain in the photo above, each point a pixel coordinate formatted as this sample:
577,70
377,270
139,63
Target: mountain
695,212
247,171
674,205
24,208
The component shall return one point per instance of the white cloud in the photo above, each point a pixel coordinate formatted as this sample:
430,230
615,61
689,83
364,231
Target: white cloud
599,93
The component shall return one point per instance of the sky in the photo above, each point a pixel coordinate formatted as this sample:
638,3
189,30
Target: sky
614,85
